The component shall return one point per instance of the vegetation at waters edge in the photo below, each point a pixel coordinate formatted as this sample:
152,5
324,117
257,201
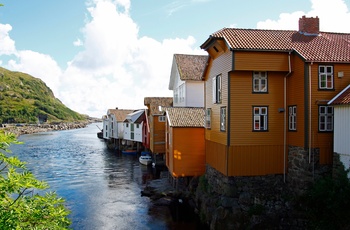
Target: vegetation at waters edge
23,99
20,207
326,204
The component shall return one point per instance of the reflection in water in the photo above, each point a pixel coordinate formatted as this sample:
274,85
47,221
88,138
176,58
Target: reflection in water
101,188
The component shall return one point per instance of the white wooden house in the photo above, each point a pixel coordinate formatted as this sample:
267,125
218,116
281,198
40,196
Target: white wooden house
186,80
113,123
133,126
341,106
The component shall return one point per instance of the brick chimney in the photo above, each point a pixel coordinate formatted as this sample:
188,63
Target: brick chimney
309,26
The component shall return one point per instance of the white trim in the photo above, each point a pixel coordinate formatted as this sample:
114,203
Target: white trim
334,98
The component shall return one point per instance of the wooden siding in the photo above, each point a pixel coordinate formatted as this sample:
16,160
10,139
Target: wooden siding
322,140
216,156
241,114
254,160
221,65
342,129
187,156
296,97
261,61
157,137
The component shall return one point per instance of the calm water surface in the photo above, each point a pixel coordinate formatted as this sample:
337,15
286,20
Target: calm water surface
101,188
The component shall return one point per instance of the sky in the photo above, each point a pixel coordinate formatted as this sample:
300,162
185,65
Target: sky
97,55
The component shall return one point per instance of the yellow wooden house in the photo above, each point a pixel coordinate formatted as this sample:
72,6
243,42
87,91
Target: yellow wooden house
266,95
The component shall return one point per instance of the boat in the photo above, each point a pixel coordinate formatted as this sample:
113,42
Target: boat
145,159
129,152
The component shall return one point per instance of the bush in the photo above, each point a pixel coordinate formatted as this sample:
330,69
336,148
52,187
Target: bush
327,202
20,208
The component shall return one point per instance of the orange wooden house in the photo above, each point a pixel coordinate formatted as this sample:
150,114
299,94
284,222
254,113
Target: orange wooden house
266,96
185,153
156,121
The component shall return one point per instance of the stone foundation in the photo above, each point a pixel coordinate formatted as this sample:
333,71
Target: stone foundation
304,169
244,202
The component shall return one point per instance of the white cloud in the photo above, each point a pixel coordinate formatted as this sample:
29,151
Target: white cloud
7,44
333,15
78,42
117,68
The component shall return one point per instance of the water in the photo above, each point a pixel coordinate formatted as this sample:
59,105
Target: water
101,188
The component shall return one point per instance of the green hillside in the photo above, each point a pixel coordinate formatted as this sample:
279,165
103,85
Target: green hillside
23,99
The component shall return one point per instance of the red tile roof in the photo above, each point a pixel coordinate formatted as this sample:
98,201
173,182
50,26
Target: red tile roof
343,98
324,47
191,67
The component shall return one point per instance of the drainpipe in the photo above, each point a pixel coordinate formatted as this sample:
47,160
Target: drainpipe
285,118
310,110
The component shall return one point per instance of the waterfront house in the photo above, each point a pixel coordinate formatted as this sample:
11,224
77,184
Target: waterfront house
341,105
135,129
156,123
266,95
186,80
185,153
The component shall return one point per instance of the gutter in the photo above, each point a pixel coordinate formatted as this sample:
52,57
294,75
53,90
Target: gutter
285,117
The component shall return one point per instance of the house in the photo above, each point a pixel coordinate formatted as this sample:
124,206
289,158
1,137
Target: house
135,128
156,122
185,153
113,129
116,119
186,80
341,105
266,99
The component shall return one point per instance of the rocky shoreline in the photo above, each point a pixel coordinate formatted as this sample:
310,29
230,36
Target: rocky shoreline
21,129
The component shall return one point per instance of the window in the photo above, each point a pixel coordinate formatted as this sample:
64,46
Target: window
259,82
208,118
132,131
292,117
325,119
217,89
161,118
223,119
260,118
176,95
325,77
182,93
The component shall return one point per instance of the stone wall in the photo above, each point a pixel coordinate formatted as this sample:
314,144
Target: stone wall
304,169
244,202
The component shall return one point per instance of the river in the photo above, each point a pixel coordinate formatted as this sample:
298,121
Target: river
101,187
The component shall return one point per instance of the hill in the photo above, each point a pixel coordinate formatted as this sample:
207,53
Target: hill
26,99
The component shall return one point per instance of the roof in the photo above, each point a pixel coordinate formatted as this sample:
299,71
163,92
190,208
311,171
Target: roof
153,104
135,117
342,98
185,117
324,47
120,114
191,67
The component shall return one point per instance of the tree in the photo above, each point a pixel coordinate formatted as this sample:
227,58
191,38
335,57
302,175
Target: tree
20,207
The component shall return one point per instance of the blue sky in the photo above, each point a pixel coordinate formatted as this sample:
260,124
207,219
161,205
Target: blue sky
101,54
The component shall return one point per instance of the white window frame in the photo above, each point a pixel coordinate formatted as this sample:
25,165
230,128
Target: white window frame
259,82
260,115
217,89
325,77
208,118
223,119
325,118
161,118
292,118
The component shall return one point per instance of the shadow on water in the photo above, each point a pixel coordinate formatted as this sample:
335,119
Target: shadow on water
101,187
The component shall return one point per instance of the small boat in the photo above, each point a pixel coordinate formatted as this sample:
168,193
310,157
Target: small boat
129,152
145,159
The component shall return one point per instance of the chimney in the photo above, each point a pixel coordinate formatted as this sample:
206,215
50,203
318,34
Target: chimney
309,26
